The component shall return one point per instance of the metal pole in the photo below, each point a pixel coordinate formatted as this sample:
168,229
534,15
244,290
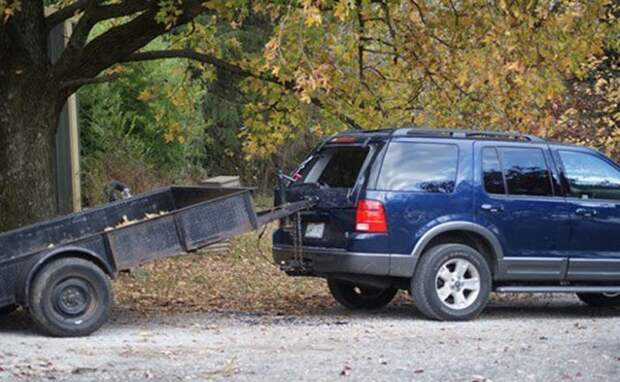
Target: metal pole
74,139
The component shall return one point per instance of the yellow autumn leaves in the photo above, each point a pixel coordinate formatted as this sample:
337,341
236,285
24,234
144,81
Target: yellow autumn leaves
473,64
537,66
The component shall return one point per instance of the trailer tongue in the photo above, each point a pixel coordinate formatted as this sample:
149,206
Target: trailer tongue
60,268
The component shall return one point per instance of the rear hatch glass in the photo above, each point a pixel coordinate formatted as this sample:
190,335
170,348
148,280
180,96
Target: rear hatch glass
334,176
338,167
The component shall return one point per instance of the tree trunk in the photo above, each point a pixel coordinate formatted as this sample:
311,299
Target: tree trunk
33,89
28,121
29,110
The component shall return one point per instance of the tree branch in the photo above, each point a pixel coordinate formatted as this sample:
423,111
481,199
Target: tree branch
360,41
232,69
94,13
127,7
196,56
75,84
79,61
65,13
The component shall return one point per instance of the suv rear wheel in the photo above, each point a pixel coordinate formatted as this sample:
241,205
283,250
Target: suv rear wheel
8,309
600,299
355,296
452,282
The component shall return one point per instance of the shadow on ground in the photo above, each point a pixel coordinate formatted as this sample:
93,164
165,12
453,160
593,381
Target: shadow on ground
558,308
521,309
17,322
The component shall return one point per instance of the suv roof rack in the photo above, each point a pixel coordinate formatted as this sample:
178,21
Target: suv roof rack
472,134
365,132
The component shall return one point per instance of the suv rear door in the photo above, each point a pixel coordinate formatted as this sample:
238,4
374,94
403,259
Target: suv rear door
335,174
422,181
518,198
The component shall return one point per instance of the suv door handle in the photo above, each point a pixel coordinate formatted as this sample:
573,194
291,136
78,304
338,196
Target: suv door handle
585,212
491,208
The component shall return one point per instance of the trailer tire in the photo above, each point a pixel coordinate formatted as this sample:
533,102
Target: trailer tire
70,297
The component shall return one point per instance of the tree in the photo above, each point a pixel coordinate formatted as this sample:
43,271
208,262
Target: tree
589,114
476,63
33,90
328,64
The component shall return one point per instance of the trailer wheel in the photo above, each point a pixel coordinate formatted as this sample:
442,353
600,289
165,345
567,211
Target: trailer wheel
70,297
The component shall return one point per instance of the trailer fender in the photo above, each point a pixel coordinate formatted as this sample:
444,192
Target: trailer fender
23,294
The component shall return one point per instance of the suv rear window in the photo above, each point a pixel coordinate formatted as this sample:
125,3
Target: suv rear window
337,167
426,167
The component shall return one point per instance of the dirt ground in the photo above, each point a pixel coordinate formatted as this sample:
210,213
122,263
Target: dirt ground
539,339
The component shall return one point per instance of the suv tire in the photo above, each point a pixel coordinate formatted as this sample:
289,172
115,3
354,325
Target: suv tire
452,282
70,297
7,309
602,300
360,297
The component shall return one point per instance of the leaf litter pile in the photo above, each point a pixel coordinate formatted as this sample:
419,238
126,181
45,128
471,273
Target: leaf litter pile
240,279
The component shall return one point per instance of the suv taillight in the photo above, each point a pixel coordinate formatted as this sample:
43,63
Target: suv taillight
370,217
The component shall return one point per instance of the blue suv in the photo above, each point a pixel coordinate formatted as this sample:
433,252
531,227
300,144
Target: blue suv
452,215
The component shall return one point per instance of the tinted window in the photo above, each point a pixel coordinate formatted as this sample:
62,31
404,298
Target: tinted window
526,171
427,167
492,172
589,176
338,167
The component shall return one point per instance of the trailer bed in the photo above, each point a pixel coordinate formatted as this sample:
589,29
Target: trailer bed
124,234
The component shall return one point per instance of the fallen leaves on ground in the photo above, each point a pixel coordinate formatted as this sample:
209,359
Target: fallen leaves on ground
242,279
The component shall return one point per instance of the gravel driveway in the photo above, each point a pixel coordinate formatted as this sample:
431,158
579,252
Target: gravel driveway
540,339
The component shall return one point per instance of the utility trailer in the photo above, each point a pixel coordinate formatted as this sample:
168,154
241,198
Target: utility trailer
60,269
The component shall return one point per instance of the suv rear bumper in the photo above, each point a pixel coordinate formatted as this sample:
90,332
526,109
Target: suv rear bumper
321,260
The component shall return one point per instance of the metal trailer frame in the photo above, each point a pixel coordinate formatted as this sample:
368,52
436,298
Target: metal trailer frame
194,217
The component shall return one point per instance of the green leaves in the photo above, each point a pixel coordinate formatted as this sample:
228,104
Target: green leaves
169,11
153,109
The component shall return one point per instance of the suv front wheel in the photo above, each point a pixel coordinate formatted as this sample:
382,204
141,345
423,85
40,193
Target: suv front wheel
354,296
452,282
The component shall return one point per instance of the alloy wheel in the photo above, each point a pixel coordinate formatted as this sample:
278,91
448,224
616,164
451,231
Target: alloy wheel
457,283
